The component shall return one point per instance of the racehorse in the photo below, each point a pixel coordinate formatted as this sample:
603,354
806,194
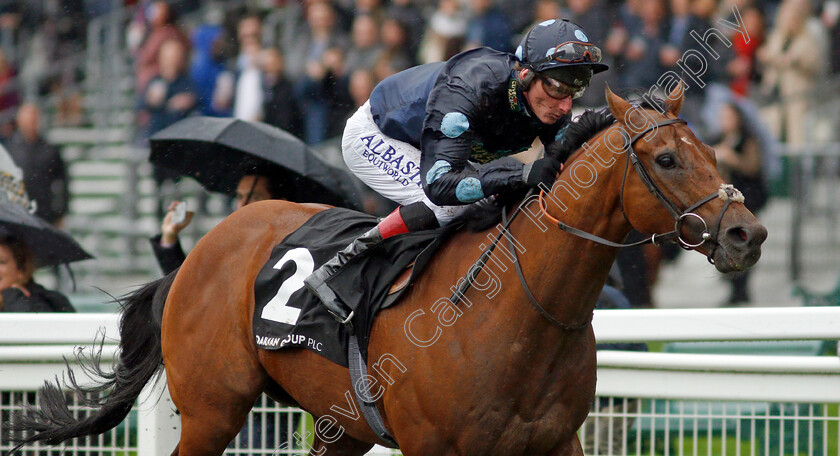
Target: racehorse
499,373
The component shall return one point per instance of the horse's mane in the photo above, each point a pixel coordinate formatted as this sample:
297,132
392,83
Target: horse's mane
581,129
488,212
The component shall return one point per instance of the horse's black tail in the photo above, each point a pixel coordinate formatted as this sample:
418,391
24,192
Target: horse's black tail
140,359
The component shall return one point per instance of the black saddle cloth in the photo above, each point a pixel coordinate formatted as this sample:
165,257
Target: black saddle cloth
286,314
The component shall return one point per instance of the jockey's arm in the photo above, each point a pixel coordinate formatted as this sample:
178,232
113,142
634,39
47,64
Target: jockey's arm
458,111
459,107
450,179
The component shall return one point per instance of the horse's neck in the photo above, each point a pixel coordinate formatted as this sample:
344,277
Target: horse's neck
565,272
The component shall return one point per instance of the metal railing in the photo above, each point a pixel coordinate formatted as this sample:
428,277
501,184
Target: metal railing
648,403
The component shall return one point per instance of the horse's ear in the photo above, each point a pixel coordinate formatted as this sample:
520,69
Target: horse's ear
675,99
618,106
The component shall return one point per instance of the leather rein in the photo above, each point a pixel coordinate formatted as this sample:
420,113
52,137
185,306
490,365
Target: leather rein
726,192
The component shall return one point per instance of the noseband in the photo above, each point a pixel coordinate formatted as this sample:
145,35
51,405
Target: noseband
726,192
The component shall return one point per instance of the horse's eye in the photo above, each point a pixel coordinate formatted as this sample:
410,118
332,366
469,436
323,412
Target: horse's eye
666,161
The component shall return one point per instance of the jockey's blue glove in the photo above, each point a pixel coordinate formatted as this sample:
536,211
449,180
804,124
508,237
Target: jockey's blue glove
542,171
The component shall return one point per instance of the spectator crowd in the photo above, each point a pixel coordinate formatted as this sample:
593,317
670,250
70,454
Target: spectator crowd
306,65
308,69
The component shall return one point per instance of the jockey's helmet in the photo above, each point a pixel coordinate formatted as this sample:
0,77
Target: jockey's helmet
559,50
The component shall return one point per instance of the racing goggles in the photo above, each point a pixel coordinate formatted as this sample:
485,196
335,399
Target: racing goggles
558,90
575,52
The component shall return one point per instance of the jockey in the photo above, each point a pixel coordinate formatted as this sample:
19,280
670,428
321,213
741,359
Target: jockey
437,137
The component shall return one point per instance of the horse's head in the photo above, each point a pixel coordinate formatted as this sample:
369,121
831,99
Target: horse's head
670,182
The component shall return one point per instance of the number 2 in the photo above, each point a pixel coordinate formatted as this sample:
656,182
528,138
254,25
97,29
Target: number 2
278,308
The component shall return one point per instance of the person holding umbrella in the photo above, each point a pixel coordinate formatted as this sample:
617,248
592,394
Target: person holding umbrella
166,245
251,161
28,242
18,290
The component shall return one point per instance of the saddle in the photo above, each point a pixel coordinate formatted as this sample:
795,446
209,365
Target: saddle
286,314
402,281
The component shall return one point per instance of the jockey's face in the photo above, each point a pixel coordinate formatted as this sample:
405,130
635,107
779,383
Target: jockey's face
545,107
246,184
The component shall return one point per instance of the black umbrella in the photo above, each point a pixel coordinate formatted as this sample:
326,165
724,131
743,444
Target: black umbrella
217,152
49,245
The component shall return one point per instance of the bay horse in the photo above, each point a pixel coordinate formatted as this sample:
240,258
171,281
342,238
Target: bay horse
491,375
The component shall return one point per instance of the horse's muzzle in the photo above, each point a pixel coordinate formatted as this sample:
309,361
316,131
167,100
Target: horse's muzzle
739,246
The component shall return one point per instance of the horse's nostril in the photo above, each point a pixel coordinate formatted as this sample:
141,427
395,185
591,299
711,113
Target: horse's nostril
738,234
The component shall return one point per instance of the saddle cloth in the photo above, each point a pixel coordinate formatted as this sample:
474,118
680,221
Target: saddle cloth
286,314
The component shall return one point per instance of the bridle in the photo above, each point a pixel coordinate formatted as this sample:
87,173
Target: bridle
726,192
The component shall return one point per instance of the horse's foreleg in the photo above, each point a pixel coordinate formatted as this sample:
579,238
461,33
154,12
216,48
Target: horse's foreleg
344,445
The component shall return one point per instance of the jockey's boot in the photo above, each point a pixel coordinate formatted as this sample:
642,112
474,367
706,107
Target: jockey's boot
413,217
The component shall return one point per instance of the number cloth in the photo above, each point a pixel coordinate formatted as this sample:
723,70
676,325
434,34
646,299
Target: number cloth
286,314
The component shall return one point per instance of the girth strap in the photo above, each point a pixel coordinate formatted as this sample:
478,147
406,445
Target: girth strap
358,374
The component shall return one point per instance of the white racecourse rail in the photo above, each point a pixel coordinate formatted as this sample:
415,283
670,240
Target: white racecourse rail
648,403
